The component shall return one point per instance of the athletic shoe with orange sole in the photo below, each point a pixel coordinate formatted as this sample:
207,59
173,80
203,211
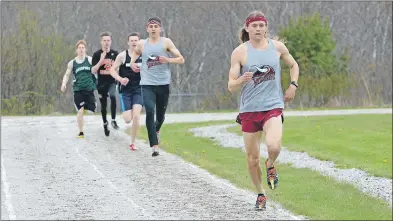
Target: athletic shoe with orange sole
261,202
272,176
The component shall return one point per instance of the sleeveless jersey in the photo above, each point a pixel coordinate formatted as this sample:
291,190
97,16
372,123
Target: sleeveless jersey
264,91
125,70
83,78
152,71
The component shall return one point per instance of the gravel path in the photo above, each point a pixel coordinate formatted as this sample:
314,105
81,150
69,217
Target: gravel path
362,180
46,173
49,174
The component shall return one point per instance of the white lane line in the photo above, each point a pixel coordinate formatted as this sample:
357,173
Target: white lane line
6,189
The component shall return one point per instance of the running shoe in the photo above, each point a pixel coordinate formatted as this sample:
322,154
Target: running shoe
272,176
261,202
155,151
132,147
114,125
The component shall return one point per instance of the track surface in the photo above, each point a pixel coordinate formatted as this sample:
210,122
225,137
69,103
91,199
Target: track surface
49,174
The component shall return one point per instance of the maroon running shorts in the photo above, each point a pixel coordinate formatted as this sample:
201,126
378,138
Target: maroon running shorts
253,121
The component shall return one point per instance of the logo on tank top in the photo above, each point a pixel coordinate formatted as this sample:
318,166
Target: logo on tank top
153,60
108,63
262,73
82,68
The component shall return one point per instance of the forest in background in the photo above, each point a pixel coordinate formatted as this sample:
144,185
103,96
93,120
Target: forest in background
344,49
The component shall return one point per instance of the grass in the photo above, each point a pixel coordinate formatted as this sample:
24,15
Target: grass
354,141
318,197
215,111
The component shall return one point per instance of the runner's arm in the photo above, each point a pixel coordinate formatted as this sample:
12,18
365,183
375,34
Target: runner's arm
234,82
136,52
289,60
116,65
67,73
96,62
178,59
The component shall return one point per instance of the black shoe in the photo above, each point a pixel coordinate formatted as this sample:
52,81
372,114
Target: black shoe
155,152
80,135
106,131
114,125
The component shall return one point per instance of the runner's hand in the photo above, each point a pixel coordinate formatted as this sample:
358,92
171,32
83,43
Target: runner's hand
163,59
124,81
290,93
63,88
103,54
247,76
135,67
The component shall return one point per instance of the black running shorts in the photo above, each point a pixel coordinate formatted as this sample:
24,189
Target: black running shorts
85,99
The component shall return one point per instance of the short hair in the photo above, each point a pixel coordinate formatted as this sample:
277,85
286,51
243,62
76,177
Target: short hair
80,42
133,34
105,33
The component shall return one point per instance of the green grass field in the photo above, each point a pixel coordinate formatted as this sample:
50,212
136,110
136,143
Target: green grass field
302,191
54,114
354,141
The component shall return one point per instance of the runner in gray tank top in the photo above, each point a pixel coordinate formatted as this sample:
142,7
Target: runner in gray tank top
255,69
155,77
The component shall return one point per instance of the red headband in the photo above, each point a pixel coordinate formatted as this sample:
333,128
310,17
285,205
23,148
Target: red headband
153,22
256,18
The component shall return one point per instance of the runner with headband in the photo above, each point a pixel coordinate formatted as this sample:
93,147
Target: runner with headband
155,77
255,69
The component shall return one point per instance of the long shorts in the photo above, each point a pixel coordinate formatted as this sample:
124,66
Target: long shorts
85,99
253,121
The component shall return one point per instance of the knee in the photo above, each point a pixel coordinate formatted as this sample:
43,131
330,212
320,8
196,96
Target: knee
252,160
273,145
113,97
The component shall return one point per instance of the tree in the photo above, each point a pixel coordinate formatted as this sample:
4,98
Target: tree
33,63
323,72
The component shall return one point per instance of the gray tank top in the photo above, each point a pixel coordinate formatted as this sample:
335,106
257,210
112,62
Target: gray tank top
152,71
264,91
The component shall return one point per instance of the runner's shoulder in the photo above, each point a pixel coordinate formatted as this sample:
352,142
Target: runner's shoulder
239,51
123,53
90,59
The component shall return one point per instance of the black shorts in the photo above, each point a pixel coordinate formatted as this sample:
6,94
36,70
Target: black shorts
85,99
130,97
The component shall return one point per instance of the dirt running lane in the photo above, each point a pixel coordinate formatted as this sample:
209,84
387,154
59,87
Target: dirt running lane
49,174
